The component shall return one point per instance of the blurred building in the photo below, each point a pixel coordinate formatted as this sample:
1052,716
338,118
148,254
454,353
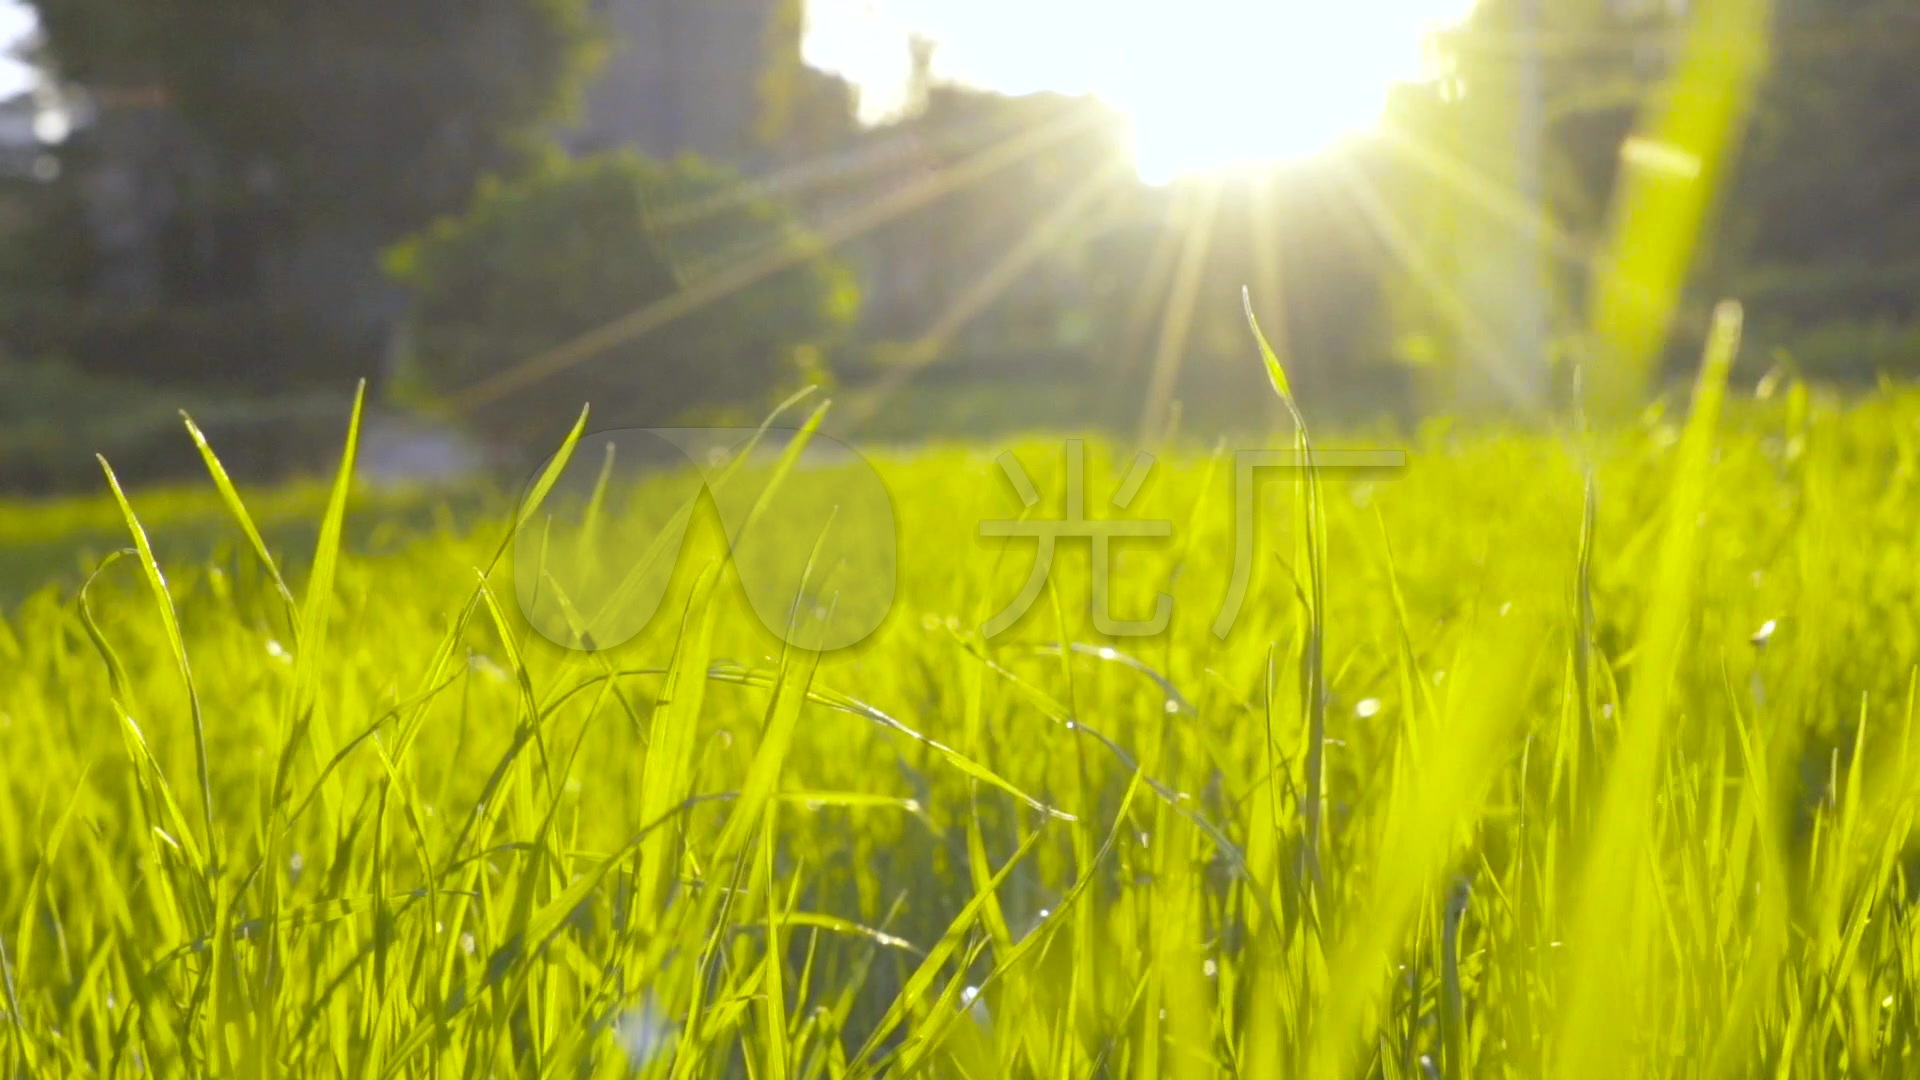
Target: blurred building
23,154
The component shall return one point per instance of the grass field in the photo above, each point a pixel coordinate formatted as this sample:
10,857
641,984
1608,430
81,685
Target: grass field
1569,754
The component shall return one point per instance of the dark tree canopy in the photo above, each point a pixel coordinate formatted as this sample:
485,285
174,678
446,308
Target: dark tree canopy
371,108
1833,170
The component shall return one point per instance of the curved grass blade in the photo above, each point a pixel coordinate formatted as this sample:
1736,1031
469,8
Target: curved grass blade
170,626
238,508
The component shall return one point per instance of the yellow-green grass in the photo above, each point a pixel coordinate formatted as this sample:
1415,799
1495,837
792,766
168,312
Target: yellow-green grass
1573,816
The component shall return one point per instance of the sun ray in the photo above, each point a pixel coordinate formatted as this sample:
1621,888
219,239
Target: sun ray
1484,348
1486,193
1150,291
1507,206
1177,325
724,282
992,283
902,149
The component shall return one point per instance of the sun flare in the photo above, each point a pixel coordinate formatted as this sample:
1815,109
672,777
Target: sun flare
1208,84
1224,84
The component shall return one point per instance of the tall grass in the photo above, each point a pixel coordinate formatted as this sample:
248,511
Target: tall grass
1523,762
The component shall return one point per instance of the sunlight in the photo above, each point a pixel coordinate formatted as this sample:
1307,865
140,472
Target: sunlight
1209,85
1224,84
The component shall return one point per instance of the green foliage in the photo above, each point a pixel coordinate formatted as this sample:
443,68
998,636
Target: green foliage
535,263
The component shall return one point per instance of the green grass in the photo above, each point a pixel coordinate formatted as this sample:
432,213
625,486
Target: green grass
1567,816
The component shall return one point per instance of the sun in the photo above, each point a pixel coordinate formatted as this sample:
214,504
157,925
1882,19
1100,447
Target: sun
1208,84
1214,85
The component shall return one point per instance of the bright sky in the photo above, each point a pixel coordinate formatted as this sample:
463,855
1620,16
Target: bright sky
1208,83
16,22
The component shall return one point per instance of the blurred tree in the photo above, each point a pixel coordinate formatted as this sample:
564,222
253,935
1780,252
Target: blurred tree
1815,231
804,112
575,245
1833,169
258,157
365,109
928,262
1825,224
1507,161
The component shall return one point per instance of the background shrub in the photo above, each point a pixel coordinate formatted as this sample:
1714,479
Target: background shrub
578,244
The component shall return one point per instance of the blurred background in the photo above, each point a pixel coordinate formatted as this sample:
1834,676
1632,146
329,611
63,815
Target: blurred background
964,217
